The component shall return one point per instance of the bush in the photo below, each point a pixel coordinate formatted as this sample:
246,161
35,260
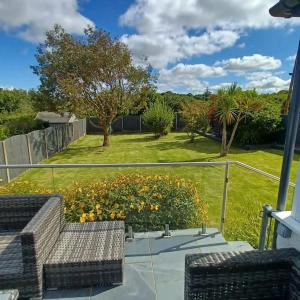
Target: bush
24,124
159,118
196,118
146,202
3,133
262,127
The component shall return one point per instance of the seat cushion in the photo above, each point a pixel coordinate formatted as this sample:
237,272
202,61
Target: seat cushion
86,254
10,253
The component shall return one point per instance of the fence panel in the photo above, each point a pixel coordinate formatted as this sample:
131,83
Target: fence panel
17,152
130,123
37,146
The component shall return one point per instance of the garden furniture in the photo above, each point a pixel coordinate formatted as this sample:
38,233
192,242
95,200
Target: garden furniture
38,250
29,228
243,275
86,255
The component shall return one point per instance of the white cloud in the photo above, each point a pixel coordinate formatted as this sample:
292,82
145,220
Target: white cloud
196,70
190,76
170,30
30,19
215,88
242,45
250,63
291,58
161,49
9,88
266,82
187,77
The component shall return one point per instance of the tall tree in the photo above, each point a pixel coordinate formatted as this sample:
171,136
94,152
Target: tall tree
92,75
233,106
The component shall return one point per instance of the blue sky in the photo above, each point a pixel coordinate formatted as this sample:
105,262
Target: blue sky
193,44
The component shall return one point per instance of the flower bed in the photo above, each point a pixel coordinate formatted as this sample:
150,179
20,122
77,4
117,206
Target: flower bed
145,202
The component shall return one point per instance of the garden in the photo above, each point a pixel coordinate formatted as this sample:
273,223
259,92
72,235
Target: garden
149,197
96,76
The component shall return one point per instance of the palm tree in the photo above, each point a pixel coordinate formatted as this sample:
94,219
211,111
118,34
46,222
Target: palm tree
234,105
226,113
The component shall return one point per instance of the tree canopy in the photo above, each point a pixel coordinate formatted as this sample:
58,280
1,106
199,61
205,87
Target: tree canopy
93,75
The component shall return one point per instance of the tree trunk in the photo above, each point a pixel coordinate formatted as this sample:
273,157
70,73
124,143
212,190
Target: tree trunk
224,139
233,133
106,141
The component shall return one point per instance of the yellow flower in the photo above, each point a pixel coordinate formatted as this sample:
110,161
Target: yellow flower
83,218
112,215
99,211
131,205
98,206
157,207
79,190
92,216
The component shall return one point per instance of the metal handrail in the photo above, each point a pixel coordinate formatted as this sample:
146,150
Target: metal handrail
122,165
132,165
261,172
165,164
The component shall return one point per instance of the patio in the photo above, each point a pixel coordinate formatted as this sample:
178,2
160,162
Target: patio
154,266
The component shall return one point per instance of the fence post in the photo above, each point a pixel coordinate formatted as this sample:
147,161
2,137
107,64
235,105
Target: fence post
140,123
225,191
122,126
56,134
176,120
28,148
267,211
5,161
46,143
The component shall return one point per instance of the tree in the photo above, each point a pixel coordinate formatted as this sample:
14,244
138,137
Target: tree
196,118
233,106
159,118
94,75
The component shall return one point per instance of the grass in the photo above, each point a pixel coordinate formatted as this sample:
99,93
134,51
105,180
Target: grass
247,192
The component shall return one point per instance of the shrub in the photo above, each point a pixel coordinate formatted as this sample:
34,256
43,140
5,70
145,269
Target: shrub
159,118
24,124
196,118
146,202
3,132
262,127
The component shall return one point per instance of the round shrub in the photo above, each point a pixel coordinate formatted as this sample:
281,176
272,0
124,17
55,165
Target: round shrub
159,118
145,202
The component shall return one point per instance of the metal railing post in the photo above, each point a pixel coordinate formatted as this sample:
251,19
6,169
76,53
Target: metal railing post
225,192
267,211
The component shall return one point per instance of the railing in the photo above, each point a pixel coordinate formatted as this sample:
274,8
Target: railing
226,179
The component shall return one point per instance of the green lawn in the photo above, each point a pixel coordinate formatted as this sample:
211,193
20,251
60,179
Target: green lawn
247,191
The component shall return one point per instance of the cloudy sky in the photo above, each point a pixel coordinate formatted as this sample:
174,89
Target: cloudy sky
192,44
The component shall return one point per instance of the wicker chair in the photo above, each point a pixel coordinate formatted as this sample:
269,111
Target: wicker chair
38,250
243,275
29,228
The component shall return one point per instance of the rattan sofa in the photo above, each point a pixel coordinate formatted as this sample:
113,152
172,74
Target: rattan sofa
38,250
243,275
29,228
